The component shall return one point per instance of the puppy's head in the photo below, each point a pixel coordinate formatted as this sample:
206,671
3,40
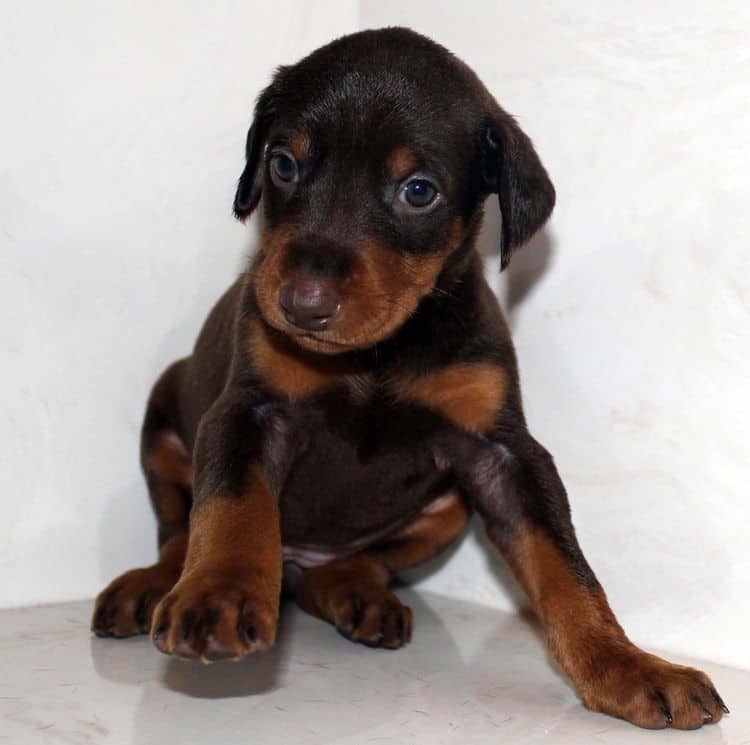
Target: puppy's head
374,156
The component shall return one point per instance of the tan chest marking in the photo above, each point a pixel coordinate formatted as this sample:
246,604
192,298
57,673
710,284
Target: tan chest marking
289,370
468,394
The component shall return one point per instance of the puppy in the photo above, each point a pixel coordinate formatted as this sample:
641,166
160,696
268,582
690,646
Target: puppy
354,396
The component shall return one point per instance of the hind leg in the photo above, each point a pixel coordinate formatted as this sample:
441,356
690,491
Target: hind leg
352,592
126,606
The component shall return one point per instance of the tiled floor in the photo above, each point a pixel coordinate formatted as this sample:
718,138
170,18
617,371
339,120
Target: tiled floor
470,676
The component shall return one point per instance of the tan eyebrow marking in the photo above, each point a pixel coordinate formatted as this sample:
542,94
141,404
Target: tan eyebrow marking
300,146
401,162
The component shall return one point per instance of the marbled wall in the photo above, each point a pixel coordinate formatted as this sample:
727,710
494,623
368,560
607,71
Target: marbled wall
631,310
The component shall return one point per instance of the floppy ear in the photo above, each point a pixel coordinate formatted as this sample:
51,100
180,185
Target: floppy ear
250,184
513,170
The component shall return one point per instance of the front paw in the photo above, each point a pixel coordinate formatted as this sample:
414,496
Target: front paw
213,618
653,693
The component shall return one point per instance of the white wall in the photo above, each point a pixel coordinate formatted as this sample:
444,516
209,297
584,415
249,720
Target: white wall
634,342
123,132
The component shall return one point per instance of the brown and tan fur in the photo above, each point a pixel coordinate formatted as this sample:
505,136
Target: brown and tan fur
354,396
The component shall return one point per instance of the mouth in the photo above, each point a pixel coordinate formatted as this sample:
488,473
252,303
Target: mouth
317,340
316,325
314,337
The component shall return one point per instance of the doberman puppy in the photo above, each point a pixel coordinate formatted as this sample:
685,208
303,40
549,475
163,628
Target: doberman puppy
354,396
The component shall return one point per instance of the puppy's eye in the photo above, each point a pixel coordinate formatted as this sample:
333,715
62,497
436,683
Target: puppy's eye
284,169
419,193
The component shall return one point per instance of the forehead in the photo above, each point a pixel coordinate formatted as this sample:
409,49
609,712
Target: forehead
375,103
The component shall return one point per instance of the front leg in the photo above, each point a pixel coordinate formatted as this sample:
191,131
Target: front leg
226,602
514,485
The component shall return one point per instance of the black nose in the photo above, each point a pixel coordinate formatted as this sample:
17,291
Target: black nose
309,302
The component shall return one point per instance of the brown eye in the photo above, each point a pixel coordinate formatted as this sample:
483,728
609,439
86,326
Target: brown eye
419,193
283,168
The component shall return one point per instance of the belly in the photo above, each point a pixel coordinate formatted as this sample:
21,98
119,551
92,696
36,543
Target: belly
439,523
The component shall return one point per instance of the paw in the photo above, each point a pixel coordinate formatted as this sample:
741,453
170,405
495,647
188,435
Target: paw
373,617
653,693
126,606
214,619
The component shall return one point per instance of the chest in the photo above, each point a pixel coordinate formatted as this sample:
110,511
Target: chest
359,449
357,468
